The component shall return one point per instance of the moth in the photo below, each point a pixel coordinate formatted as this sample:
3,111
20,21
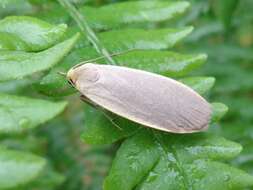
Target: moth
146,98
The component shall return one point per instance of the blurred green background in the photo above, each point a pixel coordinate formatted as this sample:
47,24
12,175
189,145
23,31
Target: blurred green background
224,30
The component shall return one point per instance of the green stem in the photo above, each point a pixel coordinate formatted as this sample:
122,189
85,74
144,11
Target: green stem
86,30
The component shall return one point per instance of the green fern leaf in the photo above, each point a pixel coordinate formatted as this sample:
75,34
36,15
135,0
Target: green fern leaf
18,64
18,168
120,14
180,162
20,113
28,33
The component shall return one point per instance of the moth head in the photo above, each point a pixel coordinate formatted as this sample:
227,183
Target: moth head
83,75
71,77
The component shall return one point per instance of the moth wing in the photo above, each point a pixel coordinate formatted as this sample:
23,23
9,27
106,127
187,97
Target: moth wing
149,99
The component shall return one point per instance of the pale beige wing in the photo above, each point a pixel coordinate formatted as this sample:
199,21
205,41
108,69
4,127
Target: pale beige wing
146,98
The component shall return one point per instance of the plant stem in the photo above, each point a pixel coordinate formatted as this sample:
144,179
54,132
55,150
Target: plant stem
86,30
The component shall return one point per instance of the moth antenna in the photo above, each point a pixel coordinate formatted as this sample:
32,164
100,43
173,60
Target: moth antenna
102,57
88,101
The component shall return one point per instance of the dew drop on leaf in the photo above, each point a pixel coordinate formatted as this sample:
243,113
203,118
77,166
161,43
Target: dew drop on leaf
24,122
171,157
152,176
227,177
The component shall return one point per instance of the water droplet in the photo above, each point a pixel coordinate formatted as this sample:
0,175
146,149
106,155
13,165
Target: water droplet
171,157
152,176
24,122
134,166
226,177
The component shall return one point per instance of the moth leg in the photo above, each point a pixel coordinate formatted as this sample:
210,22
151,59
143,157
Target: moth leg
93,104
88,101
110,119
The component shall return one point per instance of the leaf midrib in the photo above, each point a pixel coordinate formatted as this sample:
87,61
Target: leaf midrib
177,165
